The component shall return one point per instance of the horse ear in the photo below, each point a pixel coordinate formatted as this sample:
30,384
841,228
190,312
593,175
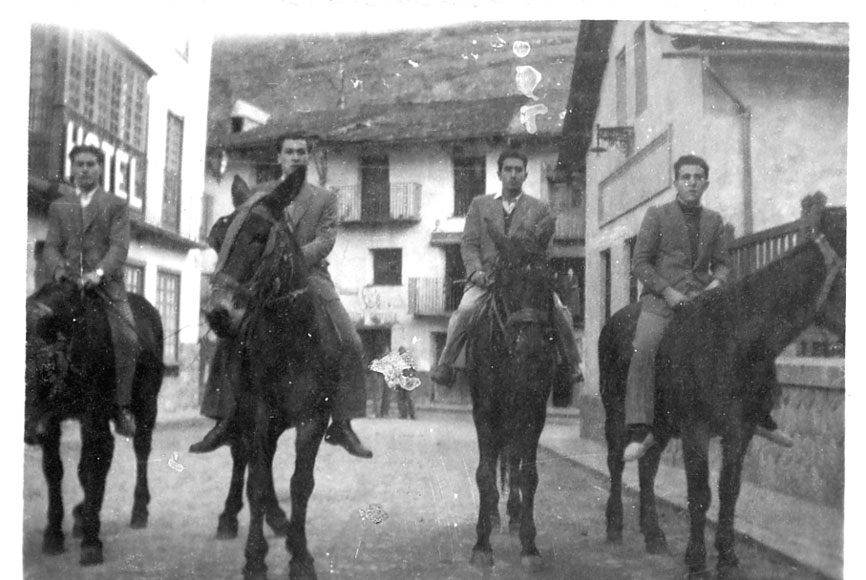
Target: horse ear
812,207
240,191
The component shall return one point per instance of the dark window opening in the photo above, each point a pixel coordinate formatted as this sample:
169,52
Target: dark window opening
469,182
388,267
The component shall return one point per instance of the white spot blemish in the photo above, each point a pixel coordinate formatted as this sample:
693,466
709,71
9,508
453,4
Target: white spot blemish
173,462
521,48
498,43
528,114
475,56
527,78
413,63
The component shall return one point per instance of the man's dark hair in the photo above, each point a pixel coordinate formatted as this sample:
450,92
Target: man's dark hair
92,149
511,154
306,138
691,160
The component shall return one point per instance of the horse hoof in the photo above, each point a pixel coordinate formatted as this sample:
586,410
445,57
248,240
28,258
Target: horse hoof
138,521
482,558
91,555
77,530
614,536
656,545
53,544
513,527
699,575
532,562
302,570
255,575
227,529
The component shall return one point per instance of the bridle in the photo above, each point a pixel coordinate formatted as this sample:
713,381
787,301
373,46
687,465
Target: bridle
835,265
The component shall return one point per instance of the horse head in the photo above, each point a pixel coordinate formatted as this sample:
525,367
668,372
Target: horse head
260,262
51,314
523,284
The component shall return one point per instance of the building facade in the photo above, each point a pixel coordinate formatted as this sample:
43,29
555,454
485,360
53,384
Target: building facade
403,201
766,104
146,108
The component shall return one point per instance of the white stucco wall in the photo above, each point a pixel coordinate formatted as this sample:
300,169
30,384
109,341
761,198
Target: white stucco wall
798,140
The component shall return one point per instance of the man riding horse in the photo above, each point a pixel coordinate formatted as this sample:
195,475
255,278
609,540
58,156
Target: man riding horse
680,252
510,211
313,216
87,241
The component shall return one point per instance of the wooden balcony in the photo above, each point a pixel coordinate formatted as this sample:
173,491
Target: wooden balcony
401,203
434,296
570,224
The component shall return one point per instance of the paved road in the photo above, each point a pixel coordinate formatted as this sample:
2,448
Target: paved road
422,477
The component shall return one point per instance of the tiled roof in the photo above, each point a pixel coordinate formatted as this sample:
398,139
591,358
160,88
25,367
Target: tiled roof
432,121
818,34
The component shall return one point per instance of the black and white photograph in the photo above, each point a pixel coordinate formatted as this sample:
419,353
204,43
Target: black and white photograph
430,290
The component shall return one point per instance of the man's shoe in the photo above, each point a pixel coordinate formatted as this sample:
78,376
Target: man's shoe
443,374
640,441
215,438
341,433
774,435
124,423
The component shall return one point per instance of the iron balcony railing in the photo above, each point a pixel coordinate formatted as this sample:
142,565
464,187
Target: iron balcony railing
401,202
434,296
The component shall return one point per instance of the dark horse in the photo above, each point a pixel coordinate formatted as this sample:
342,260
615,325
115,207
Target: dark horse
715,376
259,298
70,375
510,377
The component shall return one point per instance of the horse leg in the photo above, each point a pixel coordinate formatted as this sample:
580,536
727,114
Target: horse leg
308,439
734,447
648,466
515,502
488,495
227,526
52,467
142,443
97,451
530,557
257,484
615,433
274,514
696,443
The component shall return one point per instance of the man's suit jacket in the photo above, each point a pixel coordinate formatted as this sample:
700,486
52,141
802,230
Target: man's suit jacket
80,240
314,215
663,254
529,215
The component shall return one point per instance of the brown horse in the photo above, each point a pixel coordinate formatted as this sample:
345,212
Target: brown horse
510,376
70,375
259,298
715,376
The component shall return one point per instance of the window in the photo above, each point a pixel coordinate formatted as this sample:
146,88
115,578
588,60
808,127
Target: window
469,181
621,87
133,278
605,282
640,72
632,279
168,305
375,188
171,190
388,267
